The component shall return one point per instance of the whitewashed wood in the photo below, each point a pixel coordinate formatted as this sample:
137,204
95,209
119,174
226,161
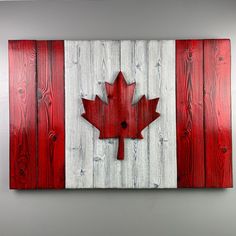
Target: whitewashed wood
79,135
106,65
162,134
128,69
148,163
141,168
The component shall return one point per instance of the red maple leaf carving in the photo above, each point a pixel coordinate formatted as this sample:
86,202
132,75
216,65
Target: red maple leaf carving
119,118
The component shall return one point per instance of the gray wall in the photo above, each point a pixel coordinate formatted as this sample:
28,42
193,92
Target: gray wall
112,213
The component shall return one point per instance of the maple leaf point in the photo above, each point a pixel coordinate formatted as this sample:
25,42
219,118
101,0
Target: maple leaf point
119,118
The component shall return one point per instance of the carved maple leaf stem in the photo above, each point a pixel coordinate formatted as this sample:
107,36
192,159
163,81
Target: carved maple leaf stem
121,145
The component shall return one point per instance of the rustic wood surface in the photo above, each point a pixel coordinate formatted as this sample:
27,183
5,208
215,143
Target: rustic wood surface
162,134
106,63
37,158
88,65
23,115
51,131
190,112
217,100
79,135
53,146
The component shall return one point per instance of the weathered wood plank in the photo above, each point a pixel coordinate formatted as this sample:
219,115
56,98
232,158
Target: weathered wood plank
106,65
128,69
51,134
132,58
79,135
23,112
217,106
141,160
162,133
190,128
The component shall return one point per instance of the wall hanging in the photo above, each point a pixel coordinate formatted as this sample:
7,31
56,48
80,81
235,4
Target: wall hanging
120,114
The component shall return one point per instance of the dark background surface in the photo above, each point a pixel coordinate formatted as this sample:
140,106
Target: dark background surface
189,212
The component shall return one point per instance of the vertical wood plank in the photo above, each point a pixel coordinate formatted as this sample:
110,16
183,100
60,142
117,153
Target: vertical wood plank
51,135
106,59
189,113
162,133
23,126
79,135
128,69
217,104
141,160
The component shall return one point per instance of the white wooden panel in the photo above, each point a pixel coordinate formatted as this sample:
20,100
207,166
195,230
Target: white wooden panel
106,66
148,163
79,135
162,133
141,169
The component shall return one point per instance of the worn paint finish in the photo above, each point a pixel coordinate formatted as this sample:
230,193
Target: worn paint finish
190,112
23,116
79,135
131,57
204,141
162,134
50,99
195,103
36,114
105,64
118,117
217,107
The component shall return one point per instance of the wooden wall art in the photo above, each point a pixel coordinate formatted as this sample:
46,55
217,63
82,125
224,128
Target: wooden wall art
120,114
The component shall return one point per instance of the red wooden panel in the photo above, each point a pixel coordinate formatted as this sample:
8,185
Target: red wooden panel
23,126
217,102
189,113
51,114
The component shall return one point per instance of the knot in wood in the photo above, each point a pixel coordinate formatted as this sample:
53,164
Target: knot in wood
124,124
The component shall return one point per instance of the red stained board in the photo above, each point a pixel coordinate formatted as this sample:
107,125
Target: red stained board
204,142
217,103
189,114
50,97
23,115
37,114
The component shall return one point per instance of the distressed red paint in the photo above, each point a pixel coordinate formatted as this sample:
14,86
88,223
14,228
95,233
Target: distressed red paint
51,114
23,116
203,111
217,106
37,144
119,118
189,113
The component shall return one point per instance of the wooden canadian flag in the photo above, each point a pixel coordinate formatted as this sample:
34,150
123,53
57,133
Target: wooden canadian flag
169,110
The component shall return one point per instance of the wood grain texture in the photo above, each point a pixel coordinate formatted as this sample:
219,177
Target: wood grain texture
217,106
162,134
118,118
89,64
127,66
50,97
23,116
79,84
189,105
140,147
200,110
106,65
